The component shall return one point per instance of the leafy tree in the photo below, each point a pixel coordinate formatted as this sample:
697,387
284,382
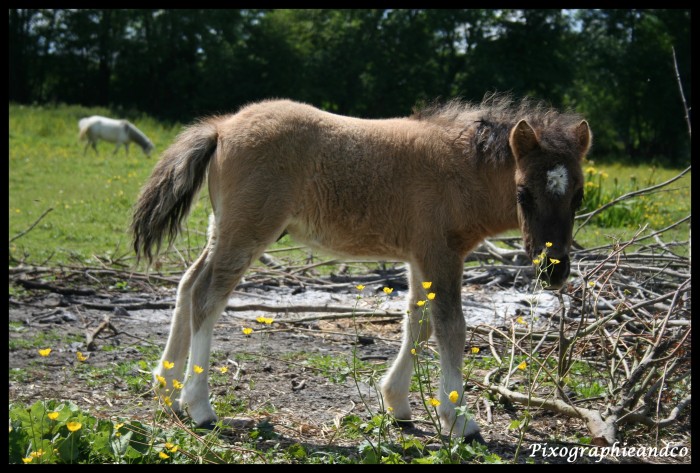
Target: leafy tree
615,66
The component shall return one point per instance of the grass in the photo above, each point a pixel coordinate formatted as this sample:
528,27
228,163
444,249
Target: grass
91,197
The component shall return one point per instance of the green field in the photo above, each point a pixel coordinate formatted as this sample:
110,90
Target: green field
86,200
90,196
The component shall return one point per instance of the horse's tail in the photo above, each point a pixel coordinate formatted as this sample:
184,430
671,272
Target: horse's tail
84,126
166,198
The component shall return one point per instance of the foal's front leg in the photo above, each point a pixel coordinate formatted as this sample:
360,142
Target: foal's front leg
416,329
450,331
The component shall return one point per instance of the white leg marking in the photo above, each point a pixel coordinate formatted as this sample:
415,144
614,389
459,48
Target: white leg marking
195,394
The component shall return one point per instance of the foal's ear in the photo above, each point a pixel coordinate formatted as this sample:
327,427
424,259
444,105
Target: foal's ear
523,139
583,137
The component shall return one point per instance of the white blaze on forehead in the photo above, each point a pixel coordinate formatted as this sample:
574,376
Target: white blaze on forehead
557,180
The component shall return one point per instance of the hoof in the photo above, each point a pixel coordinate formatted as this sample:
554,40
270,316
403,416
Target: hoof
476,436
403,424
207,425
238,423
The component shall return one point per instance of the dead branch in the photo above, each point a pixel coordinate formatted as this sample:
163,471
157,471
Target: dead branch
680,89
29,229
91,335
57,289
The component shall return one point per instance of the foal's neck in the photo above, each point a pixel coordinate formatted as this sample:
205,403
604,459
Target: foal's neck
499,205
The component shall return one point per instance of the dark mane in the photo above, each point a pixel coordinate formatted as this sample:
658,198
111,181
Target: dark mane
482,130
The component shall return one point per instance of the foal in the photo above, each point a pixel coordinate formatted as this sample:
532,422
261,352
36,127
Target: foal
424,189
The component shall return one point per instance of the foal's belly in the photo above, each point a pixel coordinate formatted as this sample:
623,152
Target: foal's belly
340,239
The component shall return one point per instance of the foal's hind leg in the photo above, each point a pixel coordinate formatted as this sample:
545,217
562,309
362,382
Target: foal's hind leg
178,343
416,329
229,257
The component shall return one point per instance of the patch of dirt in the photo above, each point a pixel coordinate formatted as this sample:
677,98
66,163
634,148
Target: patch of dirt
270,371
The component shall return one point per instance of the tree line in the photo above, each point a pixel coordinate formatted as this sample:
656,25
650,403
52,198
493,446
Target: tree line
614,66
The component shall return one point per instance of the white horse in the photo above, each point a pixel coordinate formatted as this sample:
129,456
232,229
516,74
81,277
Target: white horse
121,132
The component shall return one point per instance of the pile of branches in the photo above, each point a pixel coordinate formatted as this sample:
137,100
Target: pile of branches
628,320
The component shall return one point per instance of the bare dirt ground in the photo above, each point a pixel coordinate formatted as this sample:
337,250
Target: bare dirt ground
299,400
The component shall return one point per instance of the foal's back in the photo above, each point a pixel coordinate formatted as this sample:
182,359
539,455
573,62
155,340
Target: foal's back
354,186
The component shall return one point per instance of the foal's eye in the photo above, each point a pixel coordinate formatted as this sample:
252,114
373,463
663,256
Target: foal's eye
523,196
577,200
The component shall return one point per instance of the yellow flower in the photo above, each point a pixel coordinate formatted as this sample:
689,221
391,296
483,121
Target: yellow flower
548,244
173,449
81,357
427,284
475,350
37,454
223,369
45,352
198,369
590,170
360,287
260,319
453,397
168,365
520,320
434,402
28,459
74,426
52,415
522,366
169,445
413,351
591,283
163,455
431,295
247,331
536,261
177,384
168,402
388,290
554,260
420,303
603,174
161,380
268,320
118,426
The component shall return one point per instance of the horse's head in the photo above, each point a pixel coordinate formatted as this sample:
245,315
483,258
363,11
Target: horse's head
549,183
148,148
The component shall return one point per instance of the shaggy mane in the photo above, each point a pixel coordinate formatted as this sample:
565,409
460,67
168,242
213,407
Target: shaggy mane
483,129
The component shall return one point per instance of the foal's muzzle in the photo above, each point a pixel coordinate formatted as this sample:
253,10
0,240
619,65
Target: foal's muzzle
555,271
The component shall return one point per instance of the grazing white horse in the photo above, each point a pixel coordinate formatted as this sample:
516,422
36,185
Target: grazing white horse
121,132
